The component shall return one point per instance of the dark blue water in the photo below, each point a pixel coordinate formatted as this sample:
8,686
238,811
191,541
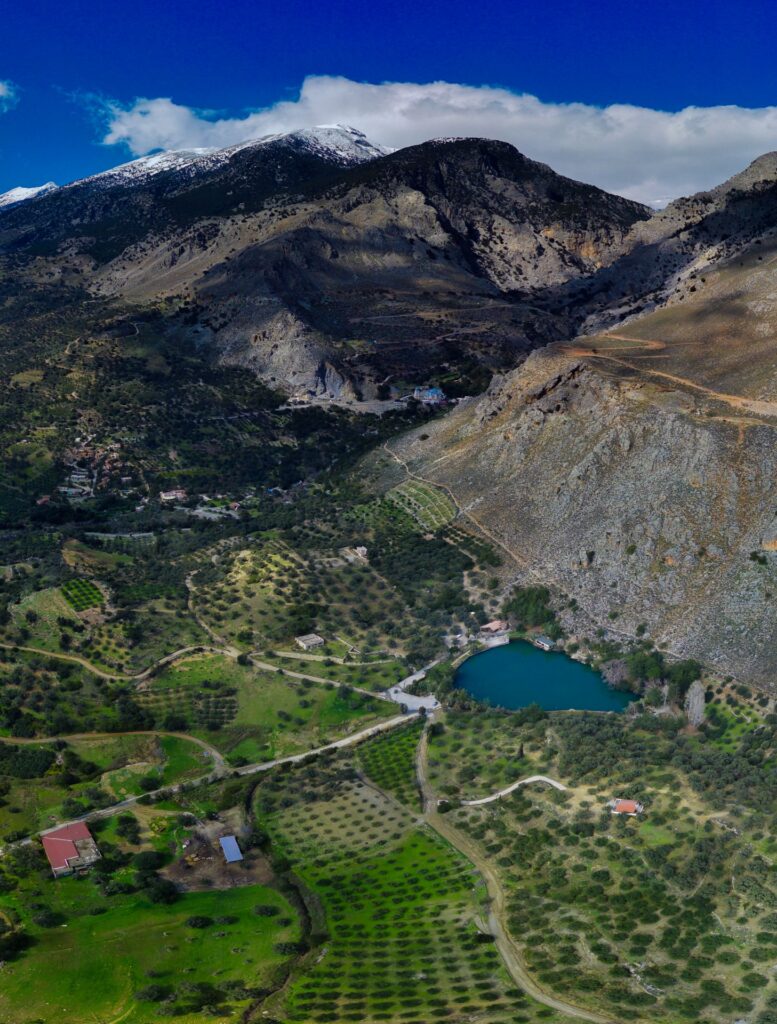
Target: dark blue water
518,674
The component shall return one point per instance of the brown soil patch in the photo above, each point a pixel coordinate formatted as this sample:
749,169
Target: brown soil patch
201,866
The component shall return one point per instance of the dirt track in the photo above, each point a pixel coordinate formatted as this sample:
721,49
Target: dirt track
757,407
508,948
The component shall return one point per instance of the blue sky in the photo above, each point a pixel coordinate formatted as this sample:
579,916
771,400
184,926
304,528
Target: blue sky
73,66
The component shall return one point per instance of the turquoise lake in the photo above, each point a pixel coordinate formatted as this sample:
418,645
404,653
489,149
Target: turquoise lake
518,674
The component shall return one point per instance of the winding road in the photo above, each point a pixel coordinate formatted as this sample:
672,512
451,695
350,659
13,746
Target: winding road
507,946
509,789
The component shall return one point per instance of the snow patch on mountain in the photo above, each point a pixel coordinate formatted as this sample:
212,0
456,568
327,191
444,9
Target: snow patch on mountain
21,194
339,144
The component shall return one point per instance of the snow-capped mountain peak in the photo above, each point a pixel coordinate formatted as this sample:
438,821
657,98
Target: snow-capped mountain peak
21,195
338,143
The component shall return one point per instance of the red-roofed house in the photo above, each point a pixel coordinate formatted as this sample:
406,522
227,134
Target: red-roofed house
631,807
497,626
70,848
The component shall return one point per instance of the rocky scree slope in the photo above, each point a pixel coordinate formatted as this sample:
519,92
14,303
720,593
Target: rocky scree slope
663,257
648,504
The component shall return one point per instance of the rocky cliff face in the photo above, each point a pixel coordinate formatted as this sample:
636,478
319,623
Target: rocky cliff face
662,258
643,503
319,271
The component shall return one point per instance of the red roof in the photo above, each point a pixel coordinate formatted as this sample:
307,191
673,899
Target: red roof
60,845
626,806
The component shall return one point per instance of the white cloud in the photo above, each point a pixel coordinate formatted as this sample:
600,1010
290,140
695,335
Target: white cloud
645,154
9,95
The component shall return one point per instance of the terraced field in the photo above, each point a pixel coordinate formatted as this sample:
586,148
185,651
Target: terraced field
429,506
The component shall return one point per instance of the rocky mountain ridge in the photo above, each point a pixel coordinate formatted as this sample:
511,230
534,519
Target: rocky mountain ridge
331,278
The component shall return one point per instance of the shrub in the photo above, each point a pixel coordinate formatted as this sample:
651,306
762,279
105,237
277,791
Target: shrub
148,860
530,606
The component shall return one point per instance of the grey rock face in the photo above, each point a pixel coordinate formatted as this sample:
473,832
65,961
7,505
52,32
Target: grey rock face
694,703
628,499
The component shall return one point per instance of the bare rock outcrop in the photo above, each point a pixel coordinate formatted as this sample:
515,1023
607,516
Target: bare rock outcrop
695,704
628,497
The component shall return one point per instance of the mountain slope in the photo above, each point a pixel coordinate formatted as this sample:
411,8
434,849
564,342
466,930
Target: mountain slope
101,215
327,267
636,469
664,256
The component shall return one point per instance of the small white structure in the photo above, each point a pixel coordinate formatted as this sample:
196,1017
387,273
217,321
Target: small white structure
176,495
544,643
309,641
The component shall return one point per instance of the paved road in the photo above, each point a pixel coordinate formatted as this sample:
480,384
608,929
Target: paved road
220,771
508,948
399,695
515,785
395,694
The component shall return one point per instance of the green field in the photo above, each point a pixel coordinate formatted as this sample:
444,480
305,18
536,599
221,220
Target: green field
113,768
45,620
401,911
389,761
251,715
113,950
378,675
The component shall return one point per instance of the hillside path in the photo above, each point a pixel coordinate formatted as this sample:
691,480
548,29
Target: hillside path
162,662
218,757
759,407
509,789
508,948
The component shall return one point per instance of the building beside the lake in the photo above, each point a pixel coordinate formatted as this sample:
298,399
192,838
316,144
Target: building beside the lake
629,807
495,634
70,848
544,643
230,849
497,626
309,641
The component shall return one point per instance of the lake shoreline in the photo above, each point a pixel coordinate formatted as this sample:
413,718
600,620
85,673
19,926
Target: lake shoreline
515,675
